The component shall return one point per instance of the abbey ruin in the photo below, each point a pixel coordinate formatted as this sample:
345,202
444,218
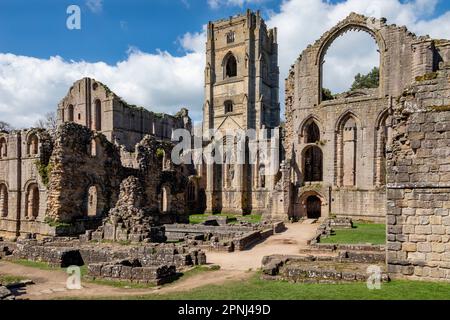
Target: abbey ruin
380,154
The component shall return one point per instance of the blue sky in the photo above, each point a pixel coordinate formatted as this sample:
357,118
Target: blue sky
38,28
151,52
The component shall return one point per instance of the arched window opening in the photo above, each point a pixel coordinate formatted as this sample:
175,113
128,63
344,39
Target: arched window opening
33,145
3,148
313,164
313,207
383,139
92,202
231,67
312,133
347,152
228,106
32,201
228,160
191,191
344,70
93,146
3,201
230,37
70,112
262,176
98,115
165,199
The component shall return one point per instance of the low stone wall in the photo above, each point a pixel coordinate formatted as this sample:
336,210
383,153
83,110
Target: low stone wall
133,271
176,232
69,253
318,269
54,256
224,238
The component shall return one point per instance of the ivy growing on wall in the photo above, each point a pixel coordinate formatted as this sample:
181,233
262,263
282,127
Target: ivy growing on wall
44,171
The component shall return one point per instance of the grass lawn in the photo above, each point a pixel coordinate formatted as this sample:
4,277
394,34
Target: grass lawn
6,280
361,233
34,264
200,218
256,289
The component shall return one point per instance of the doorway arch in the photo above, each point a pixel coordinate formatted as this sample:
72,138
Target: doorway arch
313,207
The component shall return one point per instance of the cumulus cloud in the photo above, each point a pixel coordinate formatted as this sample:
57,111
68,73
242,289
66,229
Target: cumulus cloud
30,87
301,22
163,82
216,4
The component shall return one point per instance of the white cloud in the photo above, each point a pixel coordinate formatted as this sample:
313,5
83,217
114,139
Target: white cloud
301,22
216,4
95,6
30,87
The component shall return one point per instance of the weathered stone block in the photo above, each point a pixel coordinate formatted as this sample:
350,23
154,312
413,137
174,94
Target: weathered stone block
420,230
409,247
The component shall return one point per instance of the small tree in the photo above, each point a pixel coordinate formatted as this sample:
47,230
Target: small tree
326,94
367,81
5,127
48,122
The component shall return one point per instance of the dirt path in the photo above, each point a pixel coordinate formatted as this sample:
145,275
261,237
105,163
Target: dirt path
288,242
51,284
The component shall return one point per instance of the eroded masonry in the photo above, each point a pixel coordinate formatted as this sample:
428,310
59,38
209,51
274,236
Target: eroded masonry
380,154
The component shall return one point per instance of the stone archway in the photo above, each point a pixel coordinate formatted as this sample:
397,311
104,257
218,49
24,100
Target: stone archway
313,207
310,204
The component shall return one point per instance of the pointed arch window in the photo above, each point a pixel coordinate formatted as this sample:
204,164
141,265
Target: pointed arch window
3,148
231,67
312,133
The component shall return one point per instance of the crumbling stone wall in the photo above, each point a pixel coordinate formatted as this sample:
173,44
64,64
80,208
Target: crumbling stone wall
76,168
92,104
131,219
419,181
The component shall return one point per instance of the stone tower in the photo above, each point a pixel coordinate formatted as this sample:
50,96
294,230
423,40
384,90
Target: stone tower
242,75
241,93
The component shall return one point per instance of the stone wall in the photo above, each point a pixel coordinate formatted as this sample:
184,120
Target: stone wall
86,172
63,254
132,271
23,177
419,181
340,170
92,104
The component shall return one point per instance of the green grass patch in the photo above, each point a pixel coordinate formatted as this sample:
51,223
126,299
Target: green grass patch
34,264
200,218
198,270
257,289
6,280
121,284
360,234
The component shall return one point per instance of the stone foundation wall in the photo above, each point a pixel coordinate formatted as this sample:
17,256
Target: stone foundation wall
132,272
63,254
